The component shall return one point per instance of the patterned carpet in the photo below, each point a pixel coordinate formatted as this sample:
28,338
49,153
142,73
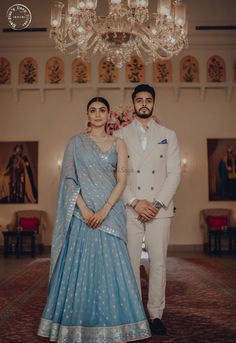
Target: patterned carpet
201,302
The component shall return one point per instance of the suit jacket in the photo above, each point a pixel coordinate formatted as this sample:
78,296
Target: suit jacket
155,172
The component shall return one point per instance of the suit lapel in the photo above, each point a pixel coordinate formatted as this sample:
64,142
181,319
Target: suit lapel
153,138
133,140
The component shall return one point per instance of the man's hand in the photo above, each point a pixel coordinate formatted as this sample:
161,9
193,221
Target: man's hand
146,210
144,220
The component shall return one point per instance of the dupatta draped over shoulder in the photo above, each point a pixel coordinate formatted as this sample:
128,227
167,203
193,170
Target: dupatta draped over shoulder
91,172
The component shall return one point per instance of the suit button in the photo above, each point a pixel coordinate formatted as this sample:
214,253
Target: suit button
138,171
128,156
152,188
153,171
139,187
161,156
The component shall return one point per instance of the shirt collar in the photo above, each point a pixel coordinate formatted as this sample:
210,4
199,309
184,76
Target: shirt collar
140,126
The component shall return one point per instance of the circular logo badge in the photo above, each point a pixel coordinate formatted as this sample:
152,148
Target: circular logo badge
19,16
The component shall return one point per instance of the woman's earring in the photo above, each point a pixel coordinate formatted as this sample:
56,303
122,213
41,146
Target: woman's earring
88,128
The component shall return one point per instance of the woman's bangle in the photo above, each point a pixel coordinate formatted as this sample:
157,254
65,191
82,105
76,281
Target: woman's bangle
109,204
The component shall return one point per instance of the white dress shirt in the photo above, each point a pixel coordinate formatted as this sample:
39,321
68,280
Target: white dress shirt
143,133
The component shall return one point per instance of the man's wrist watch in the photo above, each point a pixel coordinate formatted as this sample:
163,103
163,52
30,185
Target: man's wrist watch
134,203
157,204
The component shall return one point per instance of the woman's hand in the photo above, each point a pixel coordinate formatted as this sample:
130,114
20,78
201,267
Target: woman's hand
97,218
86,213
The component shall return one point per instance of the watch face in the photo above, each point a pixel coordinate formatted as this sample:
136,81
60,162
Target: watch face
158,204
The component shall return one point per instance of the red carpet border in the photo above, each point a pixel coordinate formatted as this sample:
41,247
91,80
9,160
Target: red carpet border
200,302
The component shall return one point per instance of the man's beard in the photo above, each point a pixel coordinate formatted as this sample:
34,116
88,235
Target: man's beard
143,115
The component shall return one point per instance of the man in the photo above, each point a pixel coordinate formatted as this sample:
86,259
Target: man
154,175
21,185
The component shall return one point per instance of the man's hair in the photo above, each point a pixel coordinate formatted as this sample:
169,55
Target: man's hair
18,146
143,88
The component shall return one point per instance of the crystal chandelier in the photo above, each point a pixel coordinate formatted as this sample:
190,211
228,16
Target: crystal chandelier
127,30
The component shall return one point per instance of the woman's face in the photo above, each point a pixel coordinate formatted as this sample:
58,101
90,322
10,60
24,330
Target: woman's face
97,114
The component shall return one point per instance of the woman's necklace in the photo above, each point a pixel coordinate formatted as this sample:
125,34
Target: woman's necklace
99,139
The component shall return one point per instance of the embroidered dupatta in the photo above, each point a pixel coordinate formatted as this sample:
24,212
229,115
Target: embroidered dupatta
88,171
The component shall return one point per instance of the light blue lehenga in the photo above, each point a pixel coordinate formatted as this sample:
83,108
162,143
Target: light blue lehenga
92,296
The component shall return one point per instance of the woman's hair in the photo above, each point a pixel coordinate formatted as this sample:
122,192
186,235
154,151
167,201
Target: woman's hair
99,99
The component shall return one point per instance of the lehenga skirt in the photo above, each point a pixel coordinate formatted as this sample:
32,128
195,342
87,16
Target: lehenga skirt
93,295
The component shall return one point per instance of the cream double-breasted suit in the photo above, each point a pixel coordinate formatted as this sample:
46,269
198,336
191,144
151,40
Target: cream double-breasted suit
154,173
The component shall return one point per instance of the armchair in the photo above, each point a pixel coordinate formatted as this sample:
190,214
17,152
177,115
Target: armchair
221,216
27,214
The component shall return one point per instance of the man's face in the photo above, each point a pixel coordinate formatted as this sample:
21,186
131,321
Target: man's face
143,104
18,150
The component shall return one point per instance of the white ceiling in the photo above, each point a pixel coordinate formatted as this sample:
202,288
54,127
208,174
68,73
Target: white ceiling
199,11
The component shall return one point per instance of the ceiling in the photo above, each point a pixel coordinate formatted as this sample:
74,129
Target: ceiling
199,11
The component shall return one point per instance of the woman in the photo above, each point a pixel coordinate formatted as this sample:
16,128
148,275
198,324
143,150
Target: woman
93,296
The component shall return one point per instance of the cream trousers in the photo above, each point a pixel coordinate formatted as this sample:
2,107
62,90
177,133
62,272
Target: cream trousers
156,233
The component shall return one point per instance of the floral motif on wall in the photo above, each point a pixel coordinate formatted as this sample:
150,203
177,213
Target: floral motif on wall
162,71
235,70
189,69
55,70
120,116
135,70
108,73
81,71
28,71
5,71
216,69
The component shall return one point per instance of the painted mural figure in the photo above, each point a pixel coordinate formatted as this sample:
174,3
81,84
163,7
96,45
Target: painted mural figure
21,186
231,161
92,295
227,174
223,170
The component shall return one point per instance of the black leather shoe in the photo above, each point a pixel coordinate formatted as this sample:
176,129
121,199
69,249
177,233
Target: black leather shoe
157,327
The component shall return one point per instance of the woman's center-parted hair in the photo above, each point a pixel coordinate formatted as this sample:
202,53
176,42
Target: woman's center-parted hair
99,99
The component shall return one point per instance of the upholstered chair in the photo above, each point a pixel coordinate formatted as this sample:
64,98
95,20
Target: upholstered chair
28,220
214,222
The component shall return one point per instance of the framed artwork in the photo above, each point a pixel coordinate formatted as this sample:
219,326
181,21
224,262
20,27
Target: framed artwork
54,71
5,71
18,172
108,73
81,71
235,70
216,71
189,69
28,71
221,168
162,71
135,70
